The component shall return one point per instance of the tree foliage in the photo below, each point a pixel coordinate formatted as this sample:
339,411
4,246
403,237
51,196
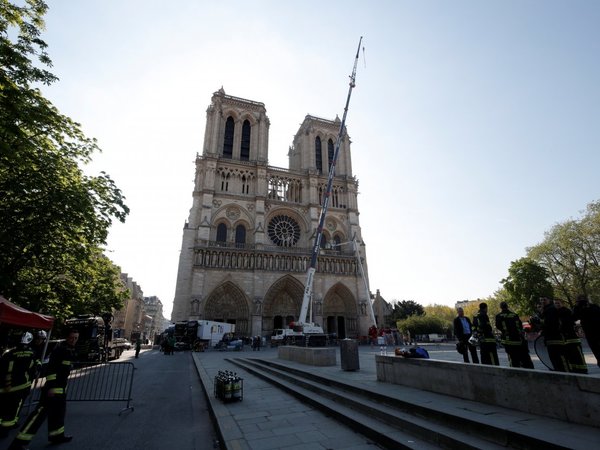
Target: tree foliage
527,281
54,219
405,308
570,252
423,324
444,312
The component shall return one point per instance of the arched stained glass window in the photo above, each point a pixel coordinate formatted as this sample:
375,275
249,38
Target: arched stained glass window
318,154
240,235
222,233
323,241
228,141
330,152
336,243
245,149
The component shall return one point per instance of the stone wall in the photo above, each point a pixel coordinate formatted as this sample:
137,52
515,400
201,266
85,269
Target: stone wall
570,397
313,356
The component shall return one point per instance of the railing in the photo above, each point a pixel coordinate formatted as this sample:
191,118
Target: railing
95,382
272,258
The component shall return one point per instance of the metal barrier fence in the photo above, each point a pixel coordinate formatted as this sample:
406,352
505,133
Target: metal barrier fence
103,382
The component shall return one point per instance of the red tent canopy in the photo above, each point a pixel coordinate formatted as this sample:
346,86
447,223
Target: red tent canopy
11,314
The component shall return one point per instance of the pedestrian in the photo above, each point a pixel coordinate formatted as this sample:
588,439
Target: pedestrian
18,368
53,404
373,335
553,338
572,349
513,338
138,347
463,330
258,339
588,315
487,340
39,345
171,341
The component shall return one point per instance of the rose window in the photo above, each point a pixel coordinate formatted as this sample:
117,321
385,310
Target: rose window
283,231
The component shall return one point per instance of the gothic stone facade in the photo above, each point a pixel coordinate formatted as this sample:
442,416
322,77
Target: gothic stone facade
247,243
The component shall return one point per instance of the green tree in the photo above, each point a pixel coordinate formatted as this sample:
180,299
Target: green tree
54,219
444,312
570,252
404,309
422,324
527,281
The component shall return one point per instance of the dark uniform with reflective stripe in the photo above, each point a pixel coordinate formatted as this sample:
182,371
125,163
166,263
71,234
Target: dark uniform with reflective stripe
572,349
513,341
487,340
53,399
17,370
553,338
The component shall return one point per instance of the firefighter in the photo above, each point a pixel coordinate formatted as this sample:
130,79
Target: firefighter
17,371
513,339
487,341
53,399
572,348
39,344
553,338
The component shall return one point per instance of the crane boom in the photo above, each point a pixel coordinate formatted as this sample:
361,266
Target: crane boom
317,244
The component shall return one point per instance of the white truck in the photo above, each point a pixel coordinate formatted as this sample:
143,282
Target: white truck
435,337
212,332
291,335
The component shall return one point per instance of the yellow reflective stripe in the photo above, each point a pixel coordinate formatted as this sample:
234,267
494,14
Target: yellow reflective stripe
51,377
19,387
66,363
10,366
56,432
57,390
511,342
573,341
555,342
25,436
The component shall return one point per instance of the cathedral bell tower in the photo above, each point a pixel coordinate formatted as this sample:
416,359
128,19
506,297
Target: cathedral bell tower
247,243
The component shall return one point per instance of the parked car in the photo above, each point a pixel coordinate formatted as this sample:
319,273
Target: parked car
122,342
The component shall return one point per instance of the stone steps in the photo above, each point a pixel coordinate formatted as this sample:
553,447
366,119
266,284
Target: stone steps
389,421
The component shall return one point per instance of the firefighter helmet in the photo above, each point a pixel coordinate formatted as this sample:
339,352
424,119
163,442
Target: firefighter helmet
474,340
26,338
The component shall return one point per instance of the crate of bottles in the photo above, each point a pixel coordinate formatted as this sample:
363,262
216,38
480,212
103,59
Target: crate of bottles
229,387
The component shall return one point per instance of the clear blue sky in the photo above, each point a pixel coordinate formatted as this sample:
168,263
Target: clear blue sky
475,125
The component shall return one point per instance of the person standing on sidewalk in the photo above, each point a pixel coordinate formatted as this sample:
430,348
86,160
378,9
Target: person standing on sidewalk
17,371
573,350
463,330
513,338
487,340
553,338
138,347
53,401
589,316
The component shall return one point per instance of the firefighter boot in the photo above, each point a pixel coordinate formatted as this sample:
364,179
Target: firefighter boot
60,439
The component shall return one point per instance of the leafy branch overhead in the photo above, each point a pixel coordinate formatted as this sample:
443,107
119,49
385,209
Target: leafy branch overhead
54,219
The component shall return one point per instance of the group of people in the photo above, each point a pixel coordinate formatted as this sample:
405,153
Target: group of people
558,328
557,324
19,367
167,345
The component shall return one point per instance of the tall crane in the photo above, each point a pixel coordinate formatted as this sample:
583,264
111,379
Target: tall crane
310,327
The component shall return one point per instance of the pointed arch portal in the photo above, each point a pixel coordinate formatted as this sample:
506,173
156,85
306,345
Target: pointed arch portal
282,303
340,314
227,303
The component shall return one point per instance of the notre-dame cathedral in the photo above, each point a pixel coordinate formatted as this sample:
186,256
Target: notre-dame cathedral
247,244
